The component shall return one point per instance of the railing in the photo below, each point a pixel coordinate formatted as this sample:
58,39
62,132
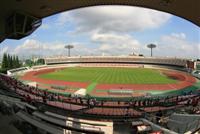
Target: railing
17,70
70,103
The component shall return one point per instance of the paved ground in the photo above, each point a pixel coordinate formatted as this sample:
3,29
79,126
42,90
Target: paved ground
6,127
122,128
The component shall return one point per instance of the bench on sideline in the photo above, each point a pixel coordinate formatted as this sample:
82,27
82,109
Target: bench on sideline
121,91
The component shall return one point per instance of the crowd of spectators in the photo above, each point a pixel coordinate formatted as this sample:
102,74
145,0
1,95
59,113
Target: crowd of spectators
34,94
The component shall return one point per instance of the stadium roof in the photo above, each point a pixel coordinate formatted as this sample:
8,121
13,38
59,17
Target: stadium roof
188,9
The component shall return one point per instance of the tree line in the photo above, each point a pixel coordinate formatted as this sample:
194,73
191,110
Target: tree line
30,63
10,62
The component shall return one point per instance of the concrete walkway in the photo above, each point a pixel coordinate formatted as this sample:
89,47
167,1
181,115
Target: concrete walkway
6,127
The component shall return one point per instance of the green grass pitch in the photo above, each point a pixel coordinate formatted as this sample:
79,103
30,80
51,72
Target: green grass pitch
108,75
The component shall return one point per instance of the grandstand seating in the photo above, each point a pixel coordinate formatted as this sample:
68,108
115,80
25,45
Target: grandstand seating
135,107
115,59
95,107
40,124
69,123
17,70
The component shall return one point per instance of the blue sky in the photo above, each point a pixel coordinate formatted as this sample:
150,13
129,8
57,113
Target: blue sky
110,30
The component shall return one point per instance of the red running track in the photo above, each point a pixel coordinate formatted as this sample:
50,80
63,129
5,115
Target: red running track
185,80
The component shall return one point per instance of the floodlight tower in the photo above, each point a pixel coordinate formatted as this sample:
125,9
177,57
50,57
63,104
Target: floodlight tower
151,46
69,47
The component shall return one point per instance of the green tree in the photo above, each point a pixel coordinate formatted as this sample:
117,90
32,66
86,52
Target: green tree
11,62
17,62
40,62
14,62
5,61
29,62
8,61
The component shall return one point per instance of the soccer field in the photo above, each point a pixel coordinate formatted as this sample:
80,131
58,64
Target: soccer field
108,75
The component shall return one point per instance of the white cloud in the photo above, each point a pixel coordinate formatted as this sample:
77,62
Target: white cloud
63,19
173,45
115,44
177,45
113,19
4,50
31,47
110,44
109,28
44,26
82,49
29,44
179,35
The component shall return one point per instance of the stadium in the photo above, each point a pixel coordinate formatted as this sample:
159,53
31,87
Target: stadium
109,76
131,95
98,94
